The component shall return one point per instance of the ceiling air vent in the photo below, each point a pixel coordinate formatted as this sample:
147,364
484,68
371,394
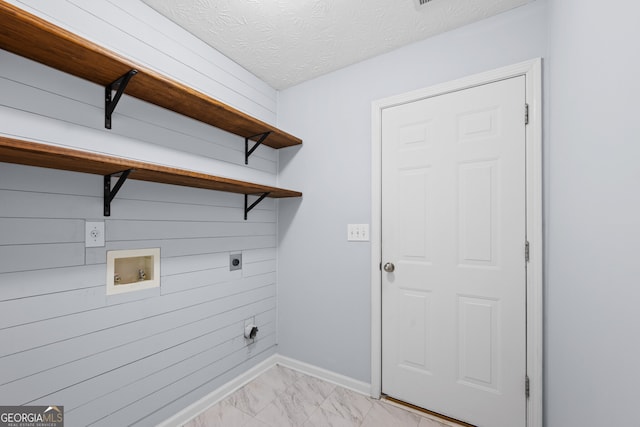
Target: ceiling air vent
420,3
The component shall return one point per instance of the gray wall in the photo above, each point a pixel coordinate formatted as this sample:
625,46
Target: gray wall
136,358
591,212
593,222
324,283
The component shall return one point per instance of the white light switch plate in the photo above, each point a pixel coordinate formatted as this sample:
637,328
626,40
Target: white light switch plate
358,232
94,234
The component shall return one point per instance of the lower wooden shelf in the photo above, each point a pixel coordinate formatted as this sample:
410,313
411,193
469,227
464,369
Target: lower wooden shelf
54,157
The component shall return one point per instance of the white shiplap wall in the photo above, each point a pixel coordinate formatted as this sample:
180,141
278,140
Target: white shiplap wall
129,359
140,131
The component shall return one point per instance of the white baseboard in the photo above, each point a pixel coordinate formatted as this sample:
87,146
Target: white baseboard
324,374
219,394
222,392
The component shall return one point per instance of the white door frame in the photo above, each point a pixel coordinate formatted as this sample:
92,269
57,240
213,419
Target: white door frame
532,70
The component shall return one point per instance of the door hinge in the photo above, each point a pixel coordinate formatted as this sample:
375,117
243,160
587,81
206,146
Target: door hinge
526,114
527,386
526,251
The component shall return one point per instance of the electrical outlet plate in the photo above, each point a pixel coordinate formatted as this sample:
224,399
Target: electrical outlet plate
358,232
94,234
235,262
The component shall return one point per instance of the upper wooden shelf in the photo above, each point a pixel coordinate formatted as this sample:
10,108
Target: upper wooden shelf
54,157
32,37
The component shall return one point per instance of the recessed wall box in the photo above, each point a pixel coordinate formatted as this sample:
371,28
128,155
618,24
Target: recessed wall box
132,270
235,262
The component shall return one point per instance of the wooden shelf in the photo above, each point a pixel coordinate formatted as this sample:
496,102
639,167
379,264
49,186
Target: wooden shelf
53,157
32,37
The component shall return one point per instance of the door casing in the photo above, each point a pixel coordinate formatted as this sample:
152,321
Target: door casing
532,70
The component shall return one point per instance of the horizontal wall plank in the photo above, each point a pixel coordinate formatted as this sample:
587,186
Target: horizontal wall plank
145,210
35,257
38,205
257,255
38,308
144,191
28,97
46,181
141,230
184,264
183,247
128,297
25,284
258,268
20,231
195,279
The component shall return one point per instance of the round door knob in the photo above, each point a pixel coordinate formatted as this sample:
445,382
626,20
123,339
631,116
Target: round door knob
389,267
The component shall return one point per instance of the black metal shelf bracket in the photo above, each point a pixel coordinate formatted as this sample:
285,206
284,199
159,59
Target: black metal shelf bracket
110,101
248,208
109,193
248,152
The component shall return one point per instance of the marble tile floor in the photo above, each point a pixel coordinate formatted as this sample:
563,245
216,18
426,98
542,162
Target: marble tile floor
282,397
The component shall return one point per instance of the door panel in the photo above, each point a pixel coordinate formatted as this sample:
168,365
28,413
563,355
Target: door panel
477,221
478,321
453,224
416,354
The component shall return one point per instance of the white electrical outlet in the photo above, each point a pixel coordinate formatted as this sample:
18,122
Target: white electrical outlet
358,232
94,234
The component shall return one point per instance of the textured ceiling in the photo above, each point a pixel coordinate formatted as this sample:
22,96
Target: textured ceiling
285,42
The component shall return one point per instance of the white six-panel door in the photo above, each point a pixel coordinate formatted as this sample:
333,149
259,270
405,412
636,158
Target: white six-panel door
453,226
